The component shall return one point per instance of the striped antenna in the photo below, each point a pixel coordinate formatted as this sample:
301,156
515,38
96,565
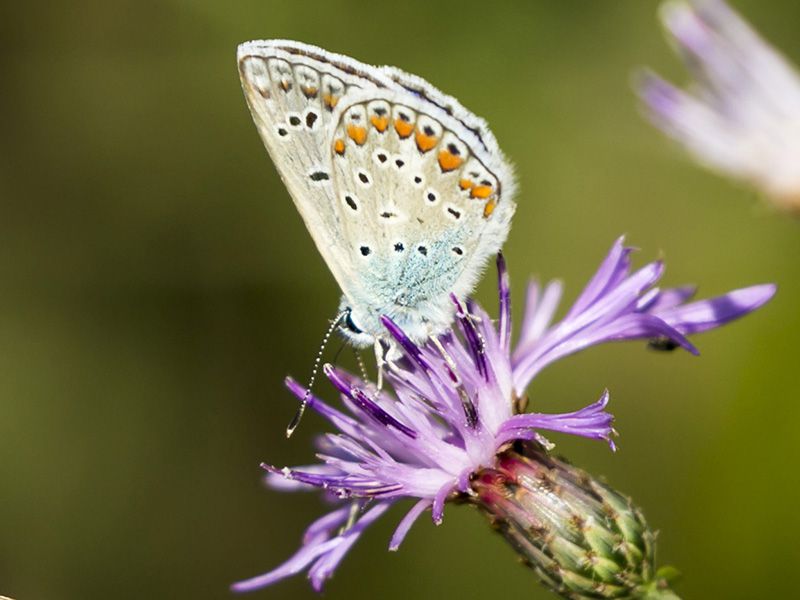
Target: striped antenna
302,409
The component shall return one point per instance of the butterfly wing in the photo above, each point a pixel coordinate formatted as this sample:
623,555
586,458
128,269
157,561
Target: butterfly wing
404,191
484,174
292,90
423,205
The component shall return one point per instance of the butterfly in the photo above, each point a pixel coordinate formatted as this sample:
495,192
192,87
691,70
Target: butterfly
404,191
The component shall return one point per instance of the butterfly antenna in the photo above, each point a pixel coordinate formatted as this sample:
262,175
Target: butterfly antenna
304,403
361,366
469,407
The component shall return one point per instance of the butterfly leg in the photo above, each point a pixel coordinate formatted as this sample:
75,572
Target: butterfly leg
386,355
381,360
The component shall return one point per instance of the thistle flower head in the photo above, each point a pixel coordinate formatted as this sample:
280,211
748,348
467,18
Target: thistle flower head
742,116
456,402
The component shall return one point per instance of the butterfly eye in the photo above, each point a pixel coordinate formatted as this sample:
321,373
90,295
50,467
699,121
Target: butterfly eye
350,325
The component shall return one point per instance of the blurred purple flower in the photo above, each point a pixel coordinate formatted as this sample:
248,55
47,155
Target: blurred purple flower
742,117
457,404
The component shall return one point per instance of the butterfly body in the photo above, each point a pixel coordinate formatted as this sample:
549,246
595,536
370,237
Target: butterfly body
404,192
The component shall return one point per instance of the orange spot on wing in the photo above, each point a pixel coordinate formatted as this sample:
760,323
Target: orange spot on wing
357,133
338,146
465,184
489,208
480,191
380,123
425,142
330,100
309,91
448,162
403,128
286,85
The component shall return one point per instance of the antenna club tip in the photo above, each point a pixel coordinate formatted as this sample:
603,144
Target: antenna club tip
290,429
296,419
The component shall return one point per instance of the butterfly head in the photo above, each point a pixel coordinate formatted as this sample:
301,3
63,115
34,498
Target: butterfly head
354,326
362,328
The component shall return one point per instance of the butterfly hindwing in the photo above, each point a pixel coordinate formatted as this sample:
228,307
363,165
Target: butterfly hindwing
421,210
403,190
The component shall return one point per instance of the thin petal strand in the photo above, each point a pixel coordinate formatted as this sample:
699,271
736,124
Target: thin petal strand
405,524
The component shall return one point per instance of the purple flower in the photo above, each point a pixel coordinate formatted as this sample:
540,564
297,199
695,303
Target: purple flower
742,117
457,403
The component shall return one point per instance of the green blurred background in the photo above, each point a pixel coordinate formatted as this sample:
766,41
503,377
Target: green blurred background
157,285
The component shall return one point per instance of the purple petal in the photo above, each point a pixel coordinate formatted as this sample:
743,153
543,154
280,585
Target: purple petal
343,483
686,27
327,563
538,313
633,326
668,298
326,523
472,337
629,327
337,418
277,480
662,98
591,421
618,300
618,306
406,523
380,415
619,297
313,547
299,561
316,477
318,548
504,291
610,316
437,512
363,402
706,314
613,268
409,347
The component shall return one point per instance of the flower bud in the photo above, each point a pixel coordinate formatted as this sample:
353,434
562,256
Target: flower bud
582,538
